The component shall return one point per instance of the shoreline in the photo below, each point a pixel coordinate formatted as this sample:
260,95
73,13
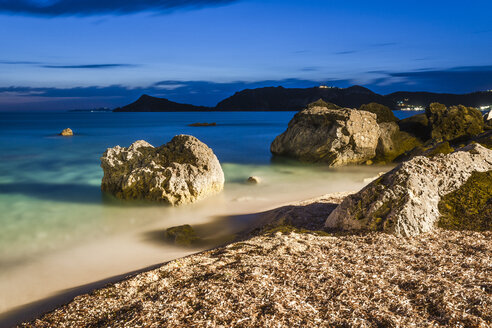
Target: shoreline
270,218
411,280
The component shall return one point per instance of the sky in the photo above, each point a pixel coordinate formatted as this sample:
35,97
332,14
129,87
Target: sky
75,54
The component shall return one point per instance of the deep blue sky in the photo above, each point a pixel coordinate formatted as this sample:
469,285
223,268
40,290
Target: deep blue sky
61,54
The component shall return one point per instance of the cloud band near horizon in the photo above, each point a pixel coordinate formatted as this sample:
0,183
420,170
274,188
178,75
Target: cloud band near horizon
101,7
209,93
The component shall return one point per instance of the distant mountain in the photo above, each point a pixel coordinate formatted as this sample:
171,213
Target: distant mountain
283,99
475,99
147,103
280,98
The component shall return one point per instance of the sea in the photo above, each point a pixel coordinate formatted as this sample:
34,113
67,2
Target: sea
58,231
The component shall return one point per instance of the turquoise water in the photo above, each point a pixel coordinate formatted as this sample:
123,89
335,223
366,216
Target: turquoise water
51,203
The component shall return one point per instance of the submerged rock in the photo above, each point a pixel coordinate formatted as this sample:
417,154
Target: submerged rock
67,132
202,124
405,200
332,136
183,235
455,122
254,180
182,171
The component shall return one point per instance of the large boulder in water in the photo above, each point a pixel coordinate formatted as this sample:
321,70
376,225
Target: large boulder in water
181,171
455,122
405,200
334,136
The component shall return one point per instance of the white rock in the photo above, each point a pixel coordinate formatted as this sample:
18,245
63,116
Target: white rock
405,200
335,137
182,171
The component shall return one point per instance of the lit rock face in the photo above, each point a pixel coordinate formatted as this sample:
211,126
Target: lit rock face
182,171
67,133
334,136
405,200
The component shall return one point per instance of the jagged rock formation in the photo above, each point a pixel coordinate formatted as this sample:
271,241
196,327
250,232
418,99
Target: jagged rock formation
182,171
335,137
405,200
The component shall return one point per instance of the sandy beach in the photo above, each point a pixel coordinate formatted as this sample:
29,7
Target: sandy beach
282,274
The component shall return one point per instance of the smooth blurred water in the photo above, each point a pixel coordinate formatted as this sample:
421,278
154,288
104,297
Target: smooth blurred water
50,198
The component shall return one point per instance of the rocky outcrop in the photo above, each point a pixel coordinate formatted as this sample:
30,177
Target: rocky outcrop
383,113
335,137
67,132
179,172
455,122
393,143
416,125
405,200
470,206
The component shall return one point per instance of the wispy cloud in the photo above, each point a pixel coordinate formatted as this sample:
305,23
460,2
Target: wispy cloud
346,52
384,44
310,69
460,79
366,47
75,66
101,7
17,62
90,66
